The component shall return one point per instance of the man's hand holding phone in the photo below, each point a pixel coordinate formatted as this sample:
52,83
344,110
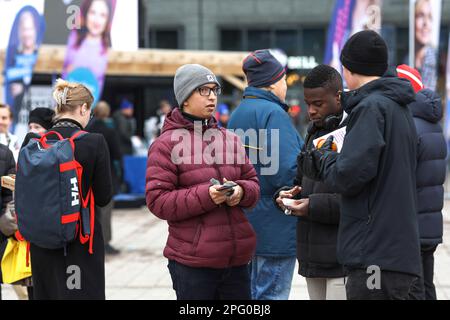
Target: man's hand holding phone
234,196
228,192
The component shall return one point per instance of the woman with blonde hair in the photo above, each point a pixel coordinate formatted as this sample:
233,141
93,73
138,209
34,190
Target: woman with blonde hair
425,53
54,269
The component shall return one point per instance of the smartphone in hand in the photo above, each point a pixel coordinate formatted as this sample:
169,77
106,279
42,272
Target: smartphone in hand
229,185
226,186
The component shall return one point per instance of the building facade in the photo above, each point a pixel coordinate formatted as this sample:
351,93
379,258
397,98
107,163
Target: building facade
298,27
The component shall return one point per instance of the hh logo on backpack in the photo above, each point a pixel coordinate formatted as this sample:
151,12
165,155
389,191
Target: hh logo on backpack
50,206
75,192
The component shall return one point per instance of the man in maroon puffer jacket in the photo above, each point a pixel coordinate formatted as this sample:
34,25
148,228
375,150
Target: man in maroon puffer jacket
210,240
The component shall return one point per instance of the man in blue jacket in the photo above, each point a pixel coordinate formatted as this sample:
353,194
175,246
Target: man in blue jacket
263,112
375,173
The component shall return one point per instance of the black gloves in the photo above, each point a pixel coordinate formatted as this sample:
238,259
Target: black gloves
310,162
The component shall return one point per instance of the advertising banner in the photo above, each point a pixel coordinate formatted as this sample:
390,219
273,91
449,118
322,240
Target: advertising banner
425,21
25,38
349,17
87,48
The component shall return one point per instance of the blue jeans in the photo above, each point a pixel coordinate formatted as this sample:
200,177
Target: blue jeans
271,277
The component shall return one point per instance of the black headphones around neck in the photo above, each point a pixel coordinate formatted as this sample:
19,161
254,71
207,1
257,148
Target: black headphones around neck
331,122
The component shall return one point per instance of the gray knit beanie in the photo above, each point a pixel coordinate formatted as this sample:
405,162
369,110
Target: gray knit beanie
188,78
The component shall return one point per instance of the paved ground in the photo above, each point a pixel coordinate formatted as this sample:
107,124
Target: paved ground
140,271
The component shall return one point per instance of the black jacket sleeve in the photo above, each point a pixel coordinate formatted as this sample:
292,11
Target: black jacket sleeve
28,137
324,208
349,171
102,182
10,168
6,194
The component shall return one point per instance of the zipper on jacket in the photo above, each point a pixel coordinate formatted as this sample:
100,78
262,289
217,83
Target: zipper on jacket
233,235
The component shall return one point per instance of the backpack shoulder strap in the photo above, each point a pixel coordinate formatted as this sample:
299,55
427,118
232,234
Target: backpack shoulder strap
78,135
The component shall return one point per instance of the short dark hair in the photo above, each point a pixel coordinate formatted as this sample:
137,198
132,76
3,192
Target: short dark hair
324,76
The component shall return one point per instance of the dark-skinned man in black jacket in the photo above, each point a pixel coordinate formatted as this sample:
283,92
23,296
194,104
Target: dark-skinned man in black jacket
318,208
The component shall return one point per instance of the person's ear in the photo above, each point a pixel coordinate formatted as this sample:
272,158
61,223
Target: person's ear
84,109
339,98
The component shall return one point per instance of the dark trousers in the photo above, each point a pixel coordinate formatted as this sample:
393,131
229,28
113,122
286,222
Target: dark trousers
210,284
30,293
424,289
54,270
393,285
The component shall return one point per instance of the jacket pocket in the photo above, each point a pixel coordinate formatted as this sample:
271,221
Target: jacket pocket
357,207
196,240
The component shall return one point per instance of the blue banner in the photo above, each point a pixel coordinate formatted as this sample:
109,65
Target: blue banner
21,55
349,17
338,32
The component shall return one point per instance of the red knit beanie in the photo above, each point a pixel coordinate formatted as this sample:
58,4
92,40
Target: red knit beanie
411,74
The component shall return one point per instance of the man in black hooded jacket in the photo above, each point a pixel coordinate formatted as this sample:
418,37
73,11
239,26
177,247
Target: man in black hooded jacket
378,239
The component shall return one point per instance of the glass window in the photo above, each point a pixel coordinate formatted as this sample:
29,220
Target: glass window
314,43
231,40
288,41
258,39
402,46
166,39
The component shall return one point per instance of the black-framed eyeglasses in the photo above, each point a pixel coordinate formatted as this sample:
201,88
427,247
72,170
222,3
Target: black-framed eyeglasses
206,91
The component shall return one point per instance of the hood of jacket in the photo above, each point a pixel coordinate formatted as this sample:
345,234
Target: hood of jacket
396,89
428,106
